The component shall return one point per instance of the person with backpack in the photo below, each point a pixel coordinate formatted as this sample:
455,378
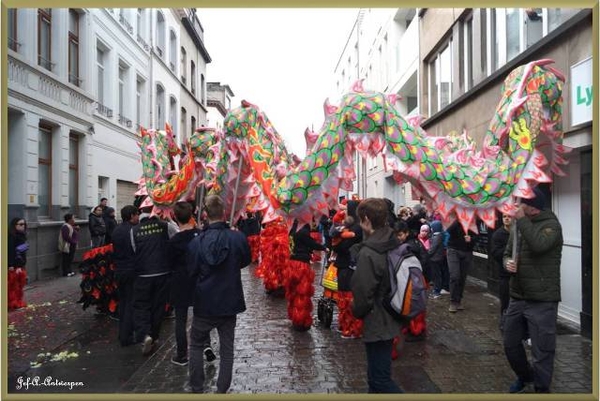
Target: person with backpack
414,329
370,284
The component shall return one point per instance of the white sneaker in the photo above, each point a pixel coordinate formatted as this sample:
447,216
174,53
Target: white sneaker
147,345
444,292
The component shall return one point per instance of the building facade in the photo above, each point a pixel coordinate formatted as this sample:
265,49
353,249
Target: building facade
219,103
382,50
464,56
81,82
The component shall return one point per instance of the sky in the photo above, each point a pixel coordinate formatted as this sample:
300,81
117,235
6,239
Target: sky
281,60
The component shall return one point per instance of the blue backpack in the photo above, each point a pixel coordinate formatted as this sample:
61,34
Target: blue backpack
408,288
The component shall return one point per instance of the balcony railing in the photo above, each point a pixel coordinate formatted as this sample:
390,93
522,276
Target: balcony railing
143,43
105,111
125,121
125,23
13,44
47,64
74,80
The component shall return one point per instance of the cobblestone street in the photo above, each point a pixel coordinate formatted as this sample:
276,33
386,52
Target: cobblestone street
462,353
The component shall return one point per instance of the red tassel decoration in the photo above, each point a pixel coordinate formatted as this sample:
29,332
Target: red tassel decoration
275,253
348,324
418,325
299,290
254,242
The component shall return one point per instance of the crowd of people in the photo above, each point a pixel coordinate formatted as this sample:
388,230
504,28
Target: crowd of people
164,264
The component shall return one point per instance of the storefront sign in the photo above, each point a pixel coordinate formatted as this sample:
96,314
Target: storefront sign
581,92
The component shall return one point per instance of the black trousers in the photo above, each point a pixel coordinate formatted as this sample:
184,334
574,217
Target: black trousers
67,260
539,320
503,292
150,295
125,280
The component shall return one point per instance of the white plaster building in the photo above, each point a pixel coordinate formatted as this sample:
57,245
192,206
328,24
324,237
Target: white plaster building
382,49
219,103
80,84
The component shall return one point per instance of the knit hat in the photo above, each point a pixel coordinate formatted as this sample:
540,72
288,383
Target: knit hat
538,202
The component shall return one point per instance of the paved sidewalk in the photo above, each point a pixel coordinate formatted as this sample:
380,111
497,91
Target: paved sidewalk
462,353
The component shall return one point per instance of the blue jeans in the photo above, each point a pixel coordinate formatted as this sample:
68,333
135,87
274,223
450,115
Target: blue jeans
379,367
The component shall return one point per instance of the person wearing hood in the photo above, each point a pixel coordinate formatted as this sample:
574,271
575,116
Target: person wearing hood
151,286
370,283
110,222
436,257
534,293
216,257
97,227
182,288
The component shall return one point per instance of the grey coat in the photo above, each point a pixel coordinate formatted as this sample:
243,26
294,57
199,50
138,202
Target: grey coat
371,282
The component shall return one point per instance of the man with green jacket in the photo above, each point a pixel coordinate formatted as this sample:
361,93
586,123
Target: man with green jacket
534,293
369,284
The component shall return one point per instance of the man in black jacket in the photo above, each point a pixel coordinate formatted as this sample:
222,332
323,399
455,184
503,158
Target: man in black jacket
124,258
151,289
182,288
460,259
216,258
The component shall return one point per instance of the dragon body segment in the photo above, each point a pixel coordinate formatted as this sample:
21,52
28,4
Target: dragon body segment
521,148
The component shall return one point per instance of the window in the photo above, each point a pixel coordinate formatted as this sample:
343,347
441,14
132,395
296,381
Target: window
123,98
139,87
44,170
467,67
141,28
534,25
100,66
172,51
73,47
445,82
183,65
513,33
557,16
160,107
173,115
12,29
193,77
193,124
73,171
440,79
45,38
484,41
140,23
160,33
433,87
202,84
184,133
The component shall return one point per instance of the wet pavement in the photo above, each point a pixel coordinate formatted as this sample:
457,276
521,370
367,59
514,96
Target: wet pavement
462,353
